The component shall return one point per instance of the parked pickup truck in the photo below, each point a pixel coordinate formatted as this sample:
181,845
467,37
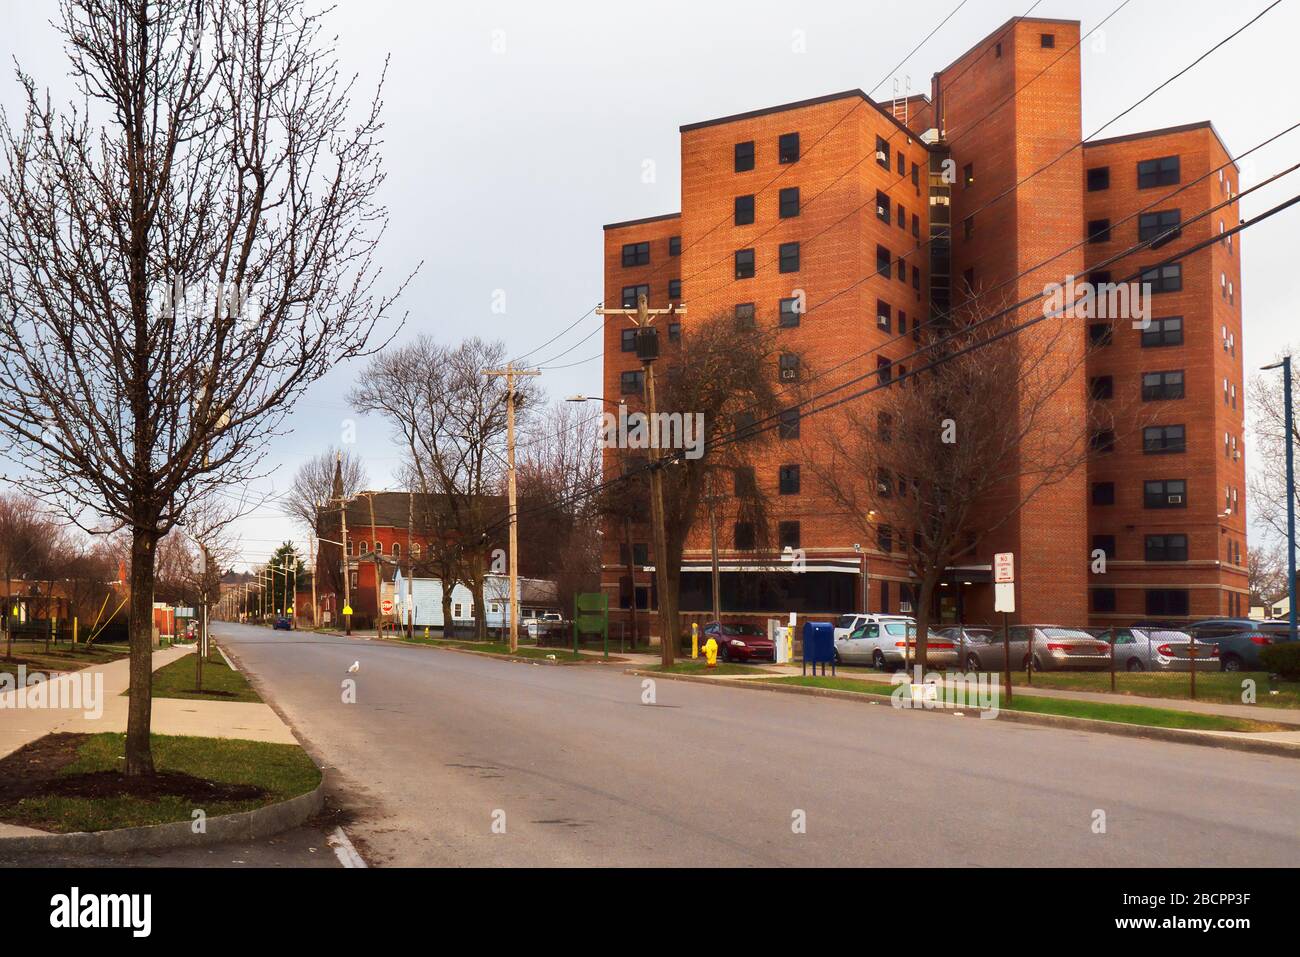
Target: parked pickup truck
545,625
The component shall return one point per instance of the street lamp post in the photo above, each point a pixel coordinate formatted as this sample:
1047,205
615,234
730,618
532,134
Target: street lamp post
1288,419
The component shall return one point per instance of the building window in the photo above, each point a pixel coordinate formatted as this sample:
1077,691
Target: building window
1158,386
674,245
884,315
674,332
916,278
1167,278
882,151
1166,548
882,207
744,263
636,254
632,293
1163,602
1158,172
885,539
744,156
968,175
1099,231
1098,178
743,536
1105,544
1164,493
1163,332
365,547
789,202
788,479
787,534
744,484
787,148
674,289
1151,225
629,382
788,367
744,210
1101,387
1103,440
884,427
884,261
628,340
968,227
1047,40
1103,600
916,175
1101,334
884,370
788,316
788,254
744,315
1164,439
788,427
415,551
1103,493
746,426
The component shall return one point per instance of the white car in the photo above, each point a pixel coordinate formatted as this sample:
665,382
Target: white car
875,639
846,623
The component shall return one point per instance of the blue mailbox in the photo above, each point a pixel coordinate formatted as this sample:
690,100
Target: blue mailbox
818,645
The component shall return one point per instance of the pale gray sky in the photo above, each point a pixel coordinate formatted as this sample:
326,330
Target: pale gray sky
516,129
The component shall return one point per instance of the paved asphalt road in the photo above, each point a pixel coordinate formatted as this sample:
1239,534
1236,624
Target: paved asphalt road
439,743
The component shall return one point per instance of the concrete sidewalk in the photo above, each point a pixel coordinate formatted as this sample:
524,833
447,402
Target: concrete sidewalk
214,719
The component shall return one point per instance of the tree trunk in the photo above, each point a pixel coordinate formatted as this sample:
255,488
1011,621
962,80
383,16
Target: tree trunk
447,627
669,621
923,621
139,757
480,610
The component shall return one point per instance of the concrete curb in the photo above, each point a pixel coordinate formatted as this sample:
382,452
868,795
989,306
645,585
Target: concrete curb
1208,739
586,660
244,826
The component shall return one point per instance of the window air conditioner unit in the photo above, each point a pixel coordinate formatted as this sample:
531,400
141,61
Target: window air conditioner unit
882,156
904,607
787,373
881,211
1236,456
1175,500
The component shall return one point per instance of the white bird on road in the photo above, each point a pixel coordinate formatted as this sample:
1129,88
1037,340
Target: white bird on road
356,666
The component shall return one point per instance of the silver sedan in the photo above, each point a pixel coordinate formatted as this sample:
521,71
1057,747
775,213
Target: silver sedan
1141,649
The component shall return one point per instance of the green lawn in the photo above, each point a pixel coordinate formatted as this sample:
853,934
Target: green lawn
689,667
499,648
1097,710
1218,686
277,771
176,680
61,657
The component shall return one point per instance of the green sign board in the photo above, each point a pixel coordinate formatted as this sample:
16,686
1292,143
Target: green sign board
591,617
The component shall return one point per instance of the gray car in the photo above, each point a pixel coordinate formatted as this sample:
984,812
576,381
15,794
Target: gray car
1143,649
1054,648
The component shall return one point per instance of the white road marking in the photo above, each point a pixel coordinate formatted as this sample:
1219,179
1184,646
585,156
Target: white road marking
344,851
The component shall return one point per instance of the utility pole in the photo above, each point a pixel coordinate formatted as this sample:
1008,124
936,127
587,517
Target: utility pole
647,350
410,565
510,372
712,500
1289,425
315,608
379,578
347,568
631,573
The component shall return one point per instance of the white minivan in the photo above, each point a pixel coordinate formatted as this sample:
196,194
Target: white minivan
859,642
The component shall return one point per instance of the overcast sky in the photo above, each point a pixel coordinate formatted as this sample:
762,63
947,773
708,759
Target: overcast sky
516,129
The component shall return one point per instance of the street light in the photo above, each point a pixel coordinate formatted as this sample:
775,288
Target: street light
1285,366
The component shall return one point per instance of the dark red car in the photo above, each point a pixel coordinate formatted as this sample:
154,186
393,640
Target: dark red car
740,642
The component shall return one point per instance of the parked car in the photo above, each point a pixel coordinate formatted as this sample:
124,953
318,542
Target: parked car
1149,649
740,642
282,624
1239,640
969,640
847,623
540,626
1054,648
857,645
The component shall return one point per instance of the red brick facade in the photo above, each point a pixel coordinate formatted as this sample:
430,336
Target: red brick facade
1007,114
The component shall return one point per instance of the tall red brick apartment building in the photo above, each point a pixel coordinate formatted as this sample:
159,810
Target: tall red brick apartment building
886,244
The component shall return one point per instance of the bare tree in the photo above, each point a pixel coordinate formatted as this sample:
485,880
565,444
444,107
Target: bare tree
179,259
311,503
451,420
725,376
944,455
25,534
1266,570
1268,478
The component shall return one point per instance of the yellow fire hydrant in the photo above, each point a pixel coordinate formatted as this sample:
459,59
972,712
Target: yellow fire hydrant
711,653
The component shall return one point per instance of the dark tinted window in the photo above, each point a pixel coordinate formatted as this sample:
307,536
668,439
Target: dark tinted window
789,202
744,210
788,148
1158,172
1098,178
1163,332
744,156
744,263
636,254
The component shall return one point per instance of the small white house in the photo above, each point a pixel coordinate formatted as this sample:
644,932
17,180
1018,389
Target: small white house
536,596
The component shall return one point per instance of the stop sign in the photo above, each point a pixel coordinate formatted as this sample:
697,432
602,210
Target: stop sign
388,606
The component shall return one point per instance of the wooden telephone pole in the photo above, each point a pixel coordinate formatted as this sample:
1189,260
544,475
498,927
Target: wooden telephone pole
510,372
647,350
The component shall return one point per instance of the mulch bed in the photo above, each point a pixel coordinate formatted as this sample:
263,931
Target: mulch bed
33,771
